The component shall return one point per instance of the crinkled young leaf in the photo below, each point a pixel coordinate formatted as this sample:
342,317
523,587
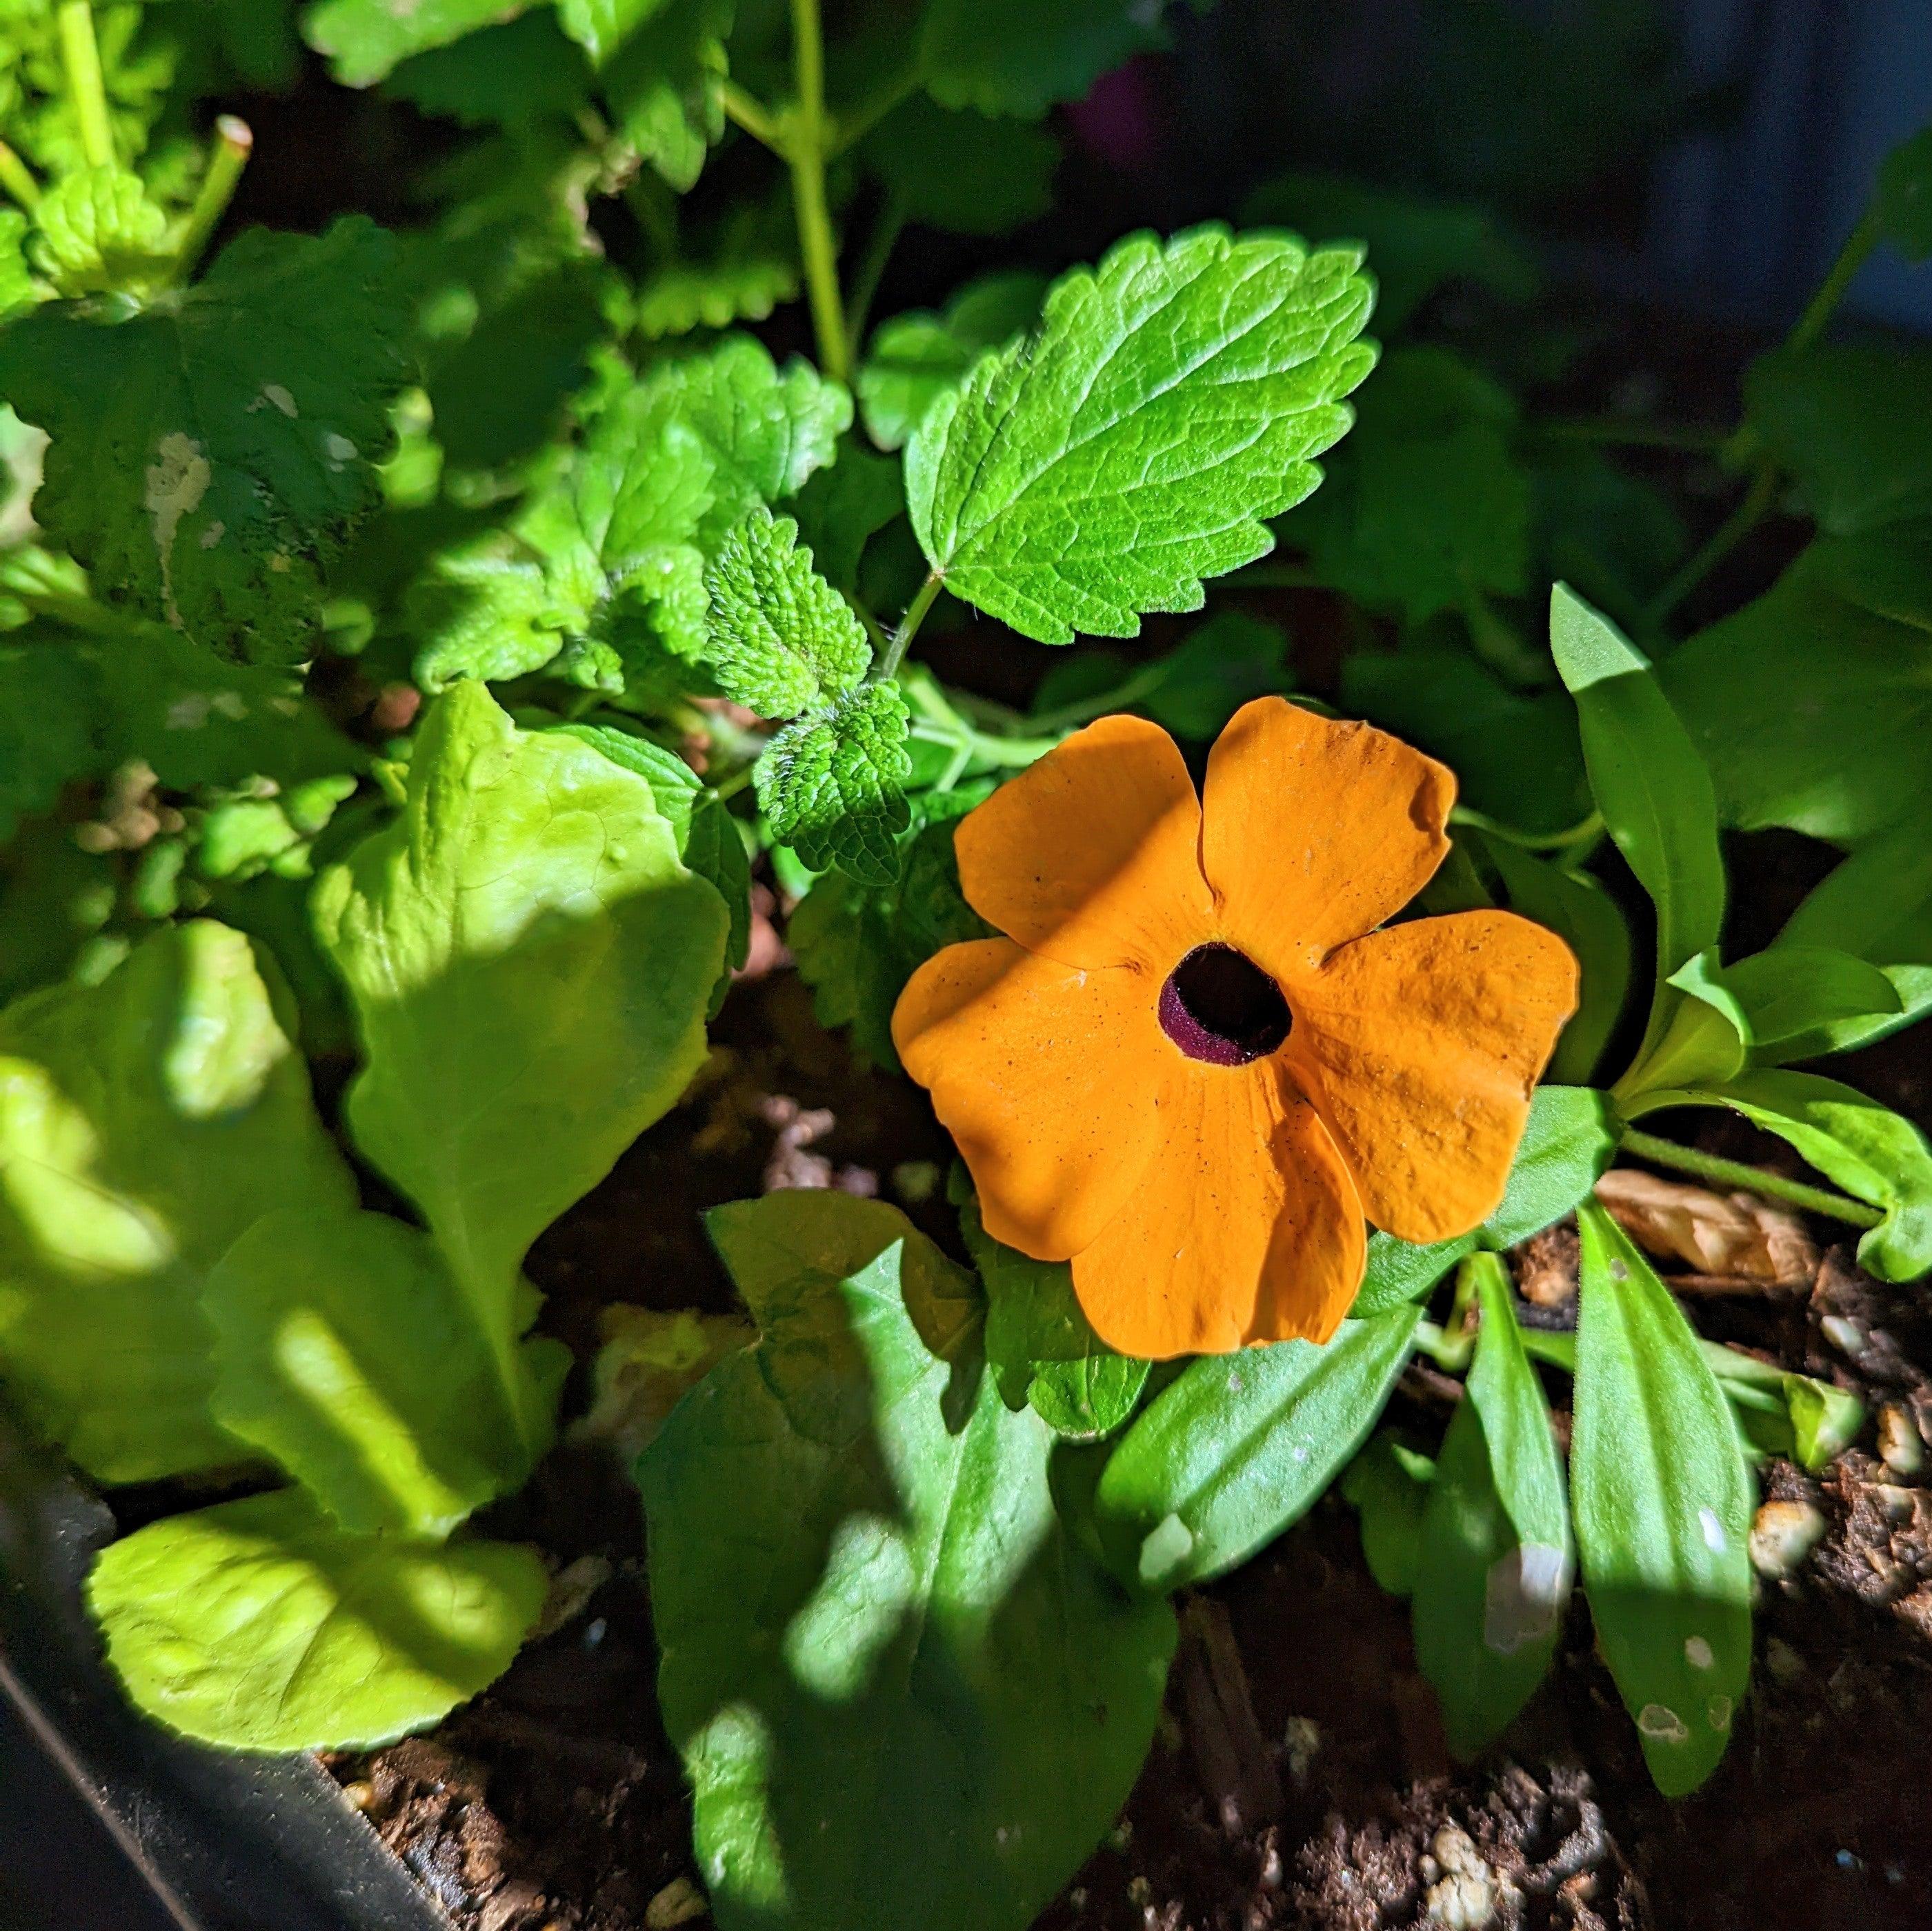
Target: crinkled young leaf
1494,1569
1663,1509
844,507
783,641
212,452
343,1349
144,1123
962,172
1241,1445
96,230
649,1362
530,965
363,39
832,785
1171,400
1011,57
1043,1348
1388,1486
1568,1142
259,1625
914,356
903,1691
1651,785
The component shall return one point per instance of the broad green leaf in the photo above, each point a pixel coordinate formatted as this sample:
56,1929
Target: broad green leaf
1614,538
898,1646
1399,1272
1831,656
1416,243
97,232
1579,911
1789,996
50,735
916,356
259,1625
1568,1142
1663,1509
1387,1485
363,39
1495,1566
1427,506
1650,784
1904,202
516,74
1042,1347
664,86
1171,401
1911,1001
1870,904
1010,57
344,1350
962,172
1239,1446
783,641
529,964
832,785
1853,424
1871,1152
145,1123
212,452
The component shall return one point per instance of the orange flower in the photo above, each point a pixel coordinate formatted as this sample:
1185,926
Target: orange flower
1193,1065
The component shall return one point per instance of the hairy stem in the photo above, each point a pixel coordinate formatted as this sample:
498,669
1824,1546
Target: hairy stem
1752,1179
806,152
85,87
889,664
17,179
233,144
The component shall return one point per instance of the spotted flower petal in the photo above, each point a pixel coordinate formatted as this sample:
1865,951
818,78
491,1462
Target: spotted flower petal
1420,1047
1046,1077
1316,831
1244,1227
1092,856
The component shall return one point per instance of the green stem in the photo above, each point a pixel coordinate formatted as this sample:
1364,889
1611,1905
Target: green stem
85,87
1584,831
752,115
807,151
1738,525
732,785
936,720
1823,305
17,179
889,664
865,284
233,143
1752,1179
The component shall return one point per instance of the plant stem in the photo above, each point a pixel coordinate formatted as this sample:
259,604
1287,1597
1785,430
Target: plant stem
936,720
17,179
1752,1179
1750,1382
753,115
889,664
85,87
1823,305
732,785
806,152
233,143
865,284
1584,831
1734,528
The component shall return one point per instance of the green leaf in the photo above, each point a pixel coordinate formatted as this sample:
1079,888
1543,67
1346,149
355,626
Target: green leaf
1427,506
50,699
1170,402
529,964
1239,1446
599,26
899,1627
915,357
730,288
1568,1142
516,74
1399,1272
1007,57
97,232
1663,1507
832,785
1869,904
1579,911
665,87
1495,1567
259,1625
343,1349
843,508
145,1122
1904,202
363,39
1387,1485
1853,424
783,641
1650,784
1041,1345
961,171
212,453
1792,997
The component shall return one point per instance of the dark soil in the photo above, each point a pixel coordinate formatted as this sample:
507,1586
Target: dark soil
1300,1778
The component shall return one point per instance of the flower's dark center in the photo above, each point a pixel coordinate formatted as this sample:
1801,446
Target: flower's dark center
1219,1006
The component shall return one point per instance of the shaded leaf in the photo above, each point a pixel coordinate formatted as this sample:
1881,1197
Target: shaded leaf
914,357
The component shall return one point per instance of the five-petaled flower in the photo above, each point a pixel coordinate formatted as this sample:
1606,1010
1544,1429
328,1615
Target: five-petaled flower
1194,1065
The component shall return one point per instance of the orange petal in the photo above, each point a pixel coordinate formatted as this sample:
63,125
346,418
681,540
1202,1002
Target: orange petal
1420,1046
1316,831
1045,1076
1092,857
1244,1227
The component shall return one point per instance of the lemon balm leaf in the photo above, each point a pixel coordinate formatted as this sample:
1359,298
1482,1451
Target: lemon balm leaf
1170,402
259,1625
833,785
212,452
914,357
783,641
363,39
